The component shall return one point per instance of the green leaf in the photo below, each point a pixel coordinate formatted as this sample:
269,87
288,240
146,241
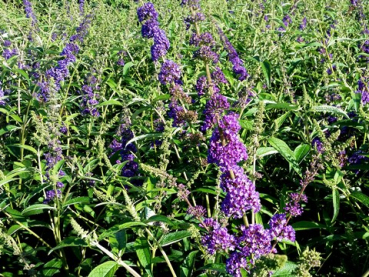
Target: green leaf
188,264
8,128
13,229
174,237
265,66
216,267
265,151
77,200
27,147
37,209
286,270
52,267
106,269
329,109
113,230
282,106
126,68
246,124
121,239
152,135
131,224
286,152
301,151
280,120
69,242
306,225
211,190
162,97
160,218
336,203
363,198
110,102
143,253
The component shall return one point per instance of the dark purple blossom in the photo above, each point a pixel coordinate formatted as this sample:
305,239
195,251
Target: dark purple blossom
54,155
170,73
193,19
2,97
203,39
287,20
363,89
279,228
8,53
202,86
63,129
206,54
82,29
293,207
316,143
149,28
89,97
7,43
120,62
254,240
217,237
356,159
81,6
303,24
241,195
174,111
131,168
218,76
197,211
214,109
29,11
225,148
233,57
235,262
147,11
50,195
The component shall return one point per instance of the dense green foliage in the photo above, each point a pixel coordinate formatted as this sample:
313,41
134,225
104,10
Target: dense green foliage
305,109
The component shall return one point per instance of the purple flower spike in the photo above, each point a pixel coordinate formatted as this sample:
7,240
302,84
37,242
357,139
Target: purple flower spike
147,11
7,43
279,230
218,238
214,109
170,73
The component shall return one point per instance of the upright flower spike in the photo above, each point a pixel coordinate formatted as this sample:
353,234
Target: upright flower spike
363,89
2,97
225,148
279,228
148,16
241,194
170,73
89,98
233,57
130,169
147,11
214,109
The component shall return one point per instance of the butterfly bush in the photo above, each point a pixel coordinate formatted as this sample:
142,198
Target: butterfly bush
148,16
203,153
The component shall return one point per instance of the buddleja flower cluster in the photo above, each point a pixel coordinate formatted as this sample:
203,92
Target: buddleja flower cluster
126,151
170,72
233,57
150,29
227,151
89,98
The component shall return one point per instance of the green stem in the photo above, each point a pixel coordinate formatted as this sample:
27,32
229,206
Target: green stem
163,253
116,259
